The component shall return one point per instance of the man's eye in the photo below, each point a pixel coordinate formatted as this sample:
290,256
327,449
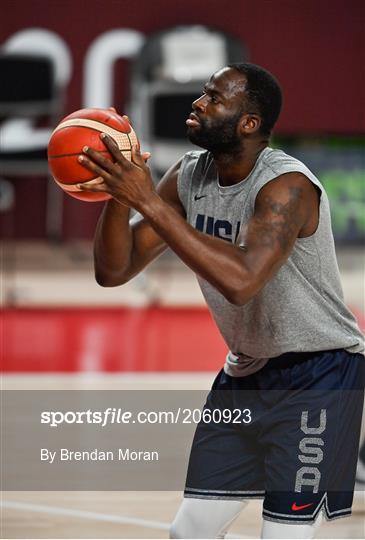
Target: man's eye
213,99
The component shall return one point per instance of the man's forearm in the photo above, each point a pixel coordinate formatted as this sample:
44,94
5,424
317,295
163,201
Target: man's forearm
215,260
113,244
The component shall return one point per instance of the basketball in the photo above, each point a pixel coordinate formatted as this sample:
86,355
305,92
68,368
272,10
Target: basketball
79,129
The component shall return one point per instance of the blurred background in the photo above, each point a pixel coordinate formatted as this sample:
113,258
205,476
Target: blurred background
150,61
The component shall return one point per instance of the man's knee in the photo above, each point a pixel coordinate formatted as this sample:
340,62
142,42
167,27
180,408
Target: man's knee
184,525
204,518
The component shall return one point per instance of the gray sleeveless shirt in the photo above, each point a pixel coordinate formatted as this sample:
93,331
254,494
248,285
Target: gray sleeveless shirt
302,307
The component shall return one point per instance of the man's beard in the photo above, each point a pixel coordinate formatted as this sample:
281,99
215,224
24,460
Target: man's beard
219,137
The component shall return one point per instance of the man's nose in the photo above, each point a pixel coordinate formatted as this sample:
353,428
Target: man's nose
200,103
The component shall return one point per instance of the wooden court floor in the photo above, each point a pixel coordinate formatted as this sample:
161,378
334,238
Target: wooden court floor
130,515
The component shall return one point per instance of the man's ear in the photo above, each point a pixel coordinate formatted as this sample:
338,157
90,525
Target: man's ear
250,123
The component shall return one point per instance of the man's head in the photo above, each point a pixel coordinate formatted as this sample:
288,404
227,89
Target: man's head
239,100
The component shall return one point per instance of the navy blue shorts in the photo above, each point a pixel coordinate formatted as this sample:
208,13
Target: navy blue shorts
291,438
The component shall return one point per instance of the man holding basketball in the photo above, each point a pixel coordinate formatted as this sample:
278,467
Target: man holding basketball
254,225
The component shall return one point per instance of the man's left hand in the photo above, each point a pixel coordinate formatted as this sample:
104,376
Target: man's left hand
128,182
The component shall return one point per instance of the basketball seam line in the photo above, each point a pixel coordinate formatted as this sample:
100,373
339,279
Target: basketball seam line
117,133
95,125
60,126
79,153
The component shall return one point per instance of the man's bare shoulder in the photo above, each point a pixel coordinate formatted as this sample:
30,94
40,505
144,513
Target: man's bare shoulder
291,201
284,185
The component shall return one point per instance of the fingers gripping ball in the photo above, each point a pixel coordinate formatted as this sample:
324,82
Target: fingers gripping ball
79,129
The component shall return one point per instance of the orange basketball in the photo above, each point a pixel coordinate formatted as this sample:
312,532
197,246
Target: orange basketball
79,129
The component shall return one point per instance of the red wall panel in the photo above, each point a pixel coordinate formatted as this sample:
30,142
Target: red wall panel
135,339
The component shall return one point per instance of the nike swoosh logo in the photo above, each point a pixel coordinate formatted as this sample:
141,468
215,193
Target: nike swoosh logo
197,197
295,507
